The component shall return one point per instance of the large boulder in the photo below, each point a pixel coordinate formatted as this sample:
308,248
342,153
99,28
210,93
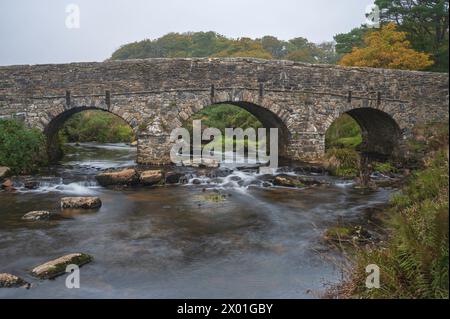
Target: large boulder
81,202
57,267
11,281
151,177
4,171
37,215
124,177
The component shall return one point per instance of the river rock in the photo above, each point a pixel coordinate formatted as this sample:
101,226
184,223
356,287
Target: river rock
31,184
288,181
57,267
173,177
11,281
124,177
81,202
8,185
4,171
37,215
151,177
220,172
135,143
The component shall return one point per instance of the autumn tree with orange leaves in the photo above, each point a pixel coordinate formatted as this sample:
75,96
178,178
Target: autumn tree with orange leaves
387,48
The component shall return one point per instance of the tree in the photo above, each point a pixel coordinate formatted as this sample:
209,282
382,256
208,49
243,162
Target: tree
387,48
426,23
246,48
345,42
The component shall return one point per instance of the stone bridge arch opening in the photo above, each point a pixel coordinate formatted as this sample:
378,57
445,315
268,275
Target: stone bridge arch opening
381,136
51,131
266,118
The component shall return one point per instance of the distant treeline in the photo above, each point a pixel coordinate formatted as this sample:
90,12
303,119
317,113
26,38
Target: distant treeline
212,44
415,37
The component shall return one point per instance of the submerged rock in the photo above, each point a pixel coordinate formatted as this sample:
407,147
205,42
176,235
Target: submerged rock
37,215
57,267
288,181
124,177
151,177
81,202
31,184
173,177
11,281
297,181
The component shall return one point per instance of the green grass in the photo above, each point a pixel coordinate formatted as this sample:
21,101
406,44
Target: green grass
343,133
96,126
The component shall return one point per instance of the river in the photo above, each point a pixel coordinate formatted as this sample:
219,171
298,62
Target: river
168,242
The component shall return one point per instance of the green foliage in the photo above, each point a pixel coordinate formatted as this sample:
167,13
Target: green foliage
426,23
345,42
223,116
414,263
343,133
23,150
384,168
211,44
343,162
96,126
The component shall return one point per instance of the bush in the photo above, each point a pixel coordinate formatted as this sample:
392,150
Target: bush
23,150
343,162
384,168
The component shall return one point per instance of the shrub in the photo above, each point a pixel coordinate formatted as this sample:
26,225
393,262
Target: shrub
343,162
23,150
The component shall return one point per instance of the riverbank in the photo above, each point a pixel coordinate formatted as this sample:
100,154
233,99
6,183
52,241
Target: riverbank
413,257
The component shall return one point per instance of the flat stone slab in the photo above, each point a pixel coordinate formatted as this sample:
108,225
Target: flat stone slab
12,281
37,215
57,267
124,177
151,177
81,202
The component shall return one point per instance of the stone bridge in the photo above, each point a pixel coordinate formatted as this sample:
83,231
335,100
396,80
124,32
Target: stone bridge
157,95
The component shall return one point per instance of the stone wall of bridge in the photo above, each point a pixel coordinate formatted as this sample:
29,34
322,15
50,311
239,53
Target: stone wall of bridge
157,95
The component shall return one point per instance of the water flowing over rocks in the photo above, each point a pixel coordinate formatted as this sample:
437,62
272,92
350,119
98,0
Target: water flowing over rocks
57,267
12,281
81,202
38,215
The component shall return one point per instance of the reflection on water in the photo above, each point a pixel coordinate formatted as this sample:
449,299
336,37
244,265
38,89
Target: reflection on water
167,242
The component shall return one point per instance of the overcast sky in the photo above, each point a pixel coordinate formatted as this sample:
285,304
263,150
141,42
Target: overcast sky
35,31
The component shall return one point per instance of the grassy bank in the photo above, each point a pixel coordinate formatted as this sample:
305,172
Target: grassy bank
414,260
